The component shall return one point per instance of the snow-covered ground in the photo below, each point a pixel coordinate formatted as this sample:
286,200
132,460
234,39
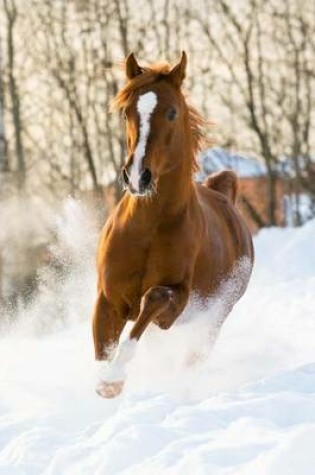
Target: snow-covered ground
247,409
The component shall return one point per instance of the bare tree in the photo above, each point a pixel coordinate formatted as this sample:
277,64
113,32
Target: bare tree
3,144
11,17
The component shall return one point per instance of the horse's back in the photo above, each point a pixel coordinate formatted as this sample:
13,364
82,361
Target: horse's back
217,196
225,182
225,239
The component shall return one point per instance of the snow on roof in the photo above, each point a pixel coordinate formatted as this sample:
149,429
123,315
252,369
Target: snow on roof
216,159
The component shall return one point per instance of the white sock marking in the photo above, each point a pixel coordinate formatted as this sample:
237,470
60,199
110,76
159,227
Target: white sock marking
146,105
116,370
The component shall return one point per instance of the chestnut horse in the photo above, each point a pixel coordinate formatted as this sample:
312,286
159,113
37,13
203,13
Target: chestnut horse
168,237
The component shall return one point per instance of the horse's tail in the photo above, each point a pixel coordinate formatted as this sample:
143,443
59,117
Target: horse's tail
226,182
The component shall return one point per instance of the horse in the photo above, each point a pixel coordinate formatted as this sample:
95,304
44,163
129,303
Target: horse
169,237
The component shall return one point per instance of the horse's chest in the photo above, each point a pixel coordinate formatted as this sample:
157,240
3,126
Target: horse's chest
124,267
131,266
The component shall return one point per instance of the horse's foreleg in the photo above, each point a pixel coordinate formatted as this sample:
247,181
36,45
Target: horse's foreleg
107,327
161,305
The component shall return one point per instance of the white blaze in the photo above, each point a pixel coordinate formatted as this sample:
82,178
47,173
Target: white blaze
146,105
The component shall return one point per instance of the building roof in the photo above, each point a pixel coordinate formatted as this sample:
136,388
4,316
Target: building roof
216,159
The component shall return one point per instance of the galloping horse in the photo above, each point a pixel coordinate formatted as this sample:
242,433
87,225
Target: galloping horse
168,237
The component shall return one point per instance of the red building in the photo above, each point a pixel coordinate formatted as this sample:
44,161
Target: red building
253,185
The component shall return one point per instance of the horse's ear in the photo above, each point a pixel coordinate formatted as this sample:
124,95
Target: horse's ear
132,67
178,72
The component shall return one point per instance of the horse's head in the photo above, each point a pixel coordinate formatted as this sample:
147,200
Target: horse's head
156,113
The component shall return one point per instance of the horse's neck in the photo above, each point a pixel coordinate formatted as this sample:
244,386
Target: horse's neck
175,189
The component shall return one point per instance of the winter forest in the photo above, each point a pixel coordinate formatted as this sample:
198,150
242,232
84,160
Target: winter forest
250,72
251,75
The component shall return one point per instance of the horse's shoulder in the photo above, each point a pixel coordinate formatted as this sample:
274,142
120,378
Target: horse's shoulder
109,229
115,217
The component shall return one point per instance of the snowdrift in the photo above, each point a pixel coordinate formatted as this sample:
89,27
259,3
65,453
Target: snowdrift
246,408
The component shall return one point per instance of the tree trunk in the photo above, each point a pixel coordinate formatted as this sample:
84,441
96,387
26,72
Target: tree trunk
3,144
11,16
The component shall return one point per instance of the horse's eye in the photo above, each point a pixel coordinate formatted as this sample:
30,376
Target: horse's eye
171,113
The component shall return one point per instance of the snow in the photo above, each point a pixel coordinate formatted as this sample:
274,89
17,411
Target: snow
248,408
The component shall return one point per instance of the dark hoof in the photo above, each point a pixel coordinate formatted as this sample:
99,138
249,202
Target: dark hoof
109,390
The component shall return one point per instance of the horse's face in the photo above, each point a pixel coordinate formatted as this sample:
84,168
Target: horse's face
154,123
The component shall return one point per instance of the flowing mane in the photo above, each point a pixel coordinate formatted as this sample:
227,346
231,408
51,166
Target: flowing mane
155,73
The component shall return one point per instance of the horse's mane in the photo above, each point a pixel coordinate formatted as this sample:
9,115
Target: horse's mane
150,75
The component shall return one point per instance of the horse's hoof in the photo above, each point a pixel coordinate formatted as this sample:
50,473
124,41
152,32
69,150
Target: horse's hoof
109,390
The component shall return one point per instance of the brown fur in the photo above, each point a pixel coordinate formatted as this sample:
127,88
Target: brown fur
225,182
156,250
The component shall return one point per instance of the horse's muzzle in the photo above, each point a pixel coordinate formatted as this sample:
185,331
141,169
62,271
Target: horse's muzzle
145,181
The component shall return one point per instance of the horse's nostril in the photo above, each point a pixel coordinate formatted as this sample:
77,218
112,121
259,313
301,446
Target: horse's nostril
146,177
125,176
